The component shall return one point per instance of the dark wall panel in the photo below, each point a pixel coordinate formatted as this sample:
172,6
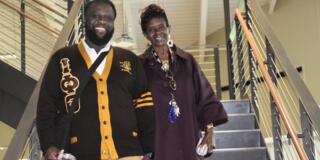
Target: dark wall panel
15,91
11,109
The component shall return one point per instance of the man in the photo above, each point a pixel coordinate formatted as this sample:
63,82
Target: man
113,118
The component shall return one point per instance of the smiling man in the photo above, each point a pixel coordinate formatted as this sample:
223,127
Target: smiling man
114,115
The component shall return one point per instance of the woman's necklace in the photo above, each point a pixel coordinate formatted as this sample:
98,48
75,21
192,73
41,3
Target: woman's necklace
167,67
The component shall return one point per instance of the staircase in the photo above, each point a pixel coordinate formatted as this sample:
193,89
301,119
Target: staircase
239,138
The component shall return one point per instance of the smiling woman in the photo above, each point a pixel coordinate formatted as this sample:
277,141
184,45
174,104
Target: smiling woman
185,102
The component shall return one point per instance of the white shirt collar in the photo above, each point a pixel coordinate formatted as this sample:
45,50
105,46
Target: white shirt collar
93,55
90,50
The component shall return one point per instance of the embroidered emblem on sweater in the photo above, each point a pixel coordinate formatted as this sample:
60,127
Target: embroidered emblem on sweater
126,66
68,84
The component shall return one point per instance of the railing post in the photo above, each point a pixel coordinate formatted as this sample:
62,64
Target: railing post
229,48
241,79
307,133
23,37
230,70
276,130
253,80
217,71
252,68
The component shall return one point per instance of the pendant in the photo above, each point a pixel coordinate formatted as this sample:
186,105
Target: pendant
174,111
165,66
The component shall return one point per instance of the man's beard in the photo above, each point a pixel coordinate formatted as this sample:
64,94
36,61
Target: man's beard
93,37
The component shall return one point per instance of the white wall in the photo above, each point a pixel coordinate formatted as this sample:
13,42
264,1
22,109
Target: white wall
297,25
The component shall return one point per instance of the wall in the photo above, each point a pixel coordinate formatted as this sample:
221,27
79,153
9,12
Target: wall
297,25
5,138
15,90
217,38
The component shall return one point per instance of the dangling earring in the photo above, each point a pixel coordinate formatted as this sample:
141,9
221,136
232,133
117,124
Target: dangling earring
169,42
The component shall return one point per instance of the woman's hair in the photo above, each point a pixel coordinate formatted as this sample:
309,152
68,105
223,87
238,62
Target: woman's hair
150,12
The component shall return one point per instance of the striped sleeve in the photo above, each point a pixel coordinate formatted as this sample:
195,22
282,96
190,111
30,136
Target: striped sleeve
145,100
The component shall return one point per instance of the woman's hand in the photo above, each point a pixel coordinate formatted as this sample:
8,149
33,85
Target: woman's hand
208,139
147,156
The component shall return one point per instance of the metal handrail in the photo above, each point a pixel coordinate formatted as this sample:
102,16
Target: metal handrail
299,86
32,18
271,86
23,130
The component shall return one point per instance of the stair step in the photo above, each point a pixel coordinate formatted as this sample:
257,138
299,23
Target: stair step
237,138
236,106
238,121
252,153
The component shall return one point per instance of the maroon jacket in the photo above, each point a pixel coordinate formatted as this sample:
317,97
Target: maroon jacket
198,104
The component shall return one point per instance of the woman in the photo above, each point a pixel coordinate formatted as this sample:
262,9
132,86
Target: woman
185,102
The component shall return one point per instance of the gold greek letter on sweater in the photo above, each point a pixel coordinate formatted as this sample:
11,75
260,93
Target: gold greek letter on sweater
68,84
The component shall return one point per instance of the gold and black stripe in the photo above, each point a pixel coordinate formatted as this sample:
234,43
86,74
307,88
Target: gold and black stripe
145,100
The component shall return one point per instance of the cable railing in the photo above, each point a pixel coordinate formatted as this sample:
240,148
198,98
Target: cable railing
50,9
269,85
24,142
60,4
31,17
28,31
285,109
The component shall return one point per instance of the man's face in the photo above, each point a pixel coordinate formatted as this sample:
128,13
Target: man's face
99,23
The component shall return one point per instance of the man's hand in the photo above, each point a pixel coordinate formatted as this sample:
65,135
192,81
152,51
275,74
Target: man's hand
52,153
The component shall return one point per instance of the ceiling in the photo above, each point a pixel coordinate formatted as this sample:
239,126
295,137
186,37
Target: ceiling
184,17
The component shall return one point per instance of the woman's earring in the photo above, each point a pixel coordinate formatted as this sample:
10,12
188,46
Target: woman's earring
169,42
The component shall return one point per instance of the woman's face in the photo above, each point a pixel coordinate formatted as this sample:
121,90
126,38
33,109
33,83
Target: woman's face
157,32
